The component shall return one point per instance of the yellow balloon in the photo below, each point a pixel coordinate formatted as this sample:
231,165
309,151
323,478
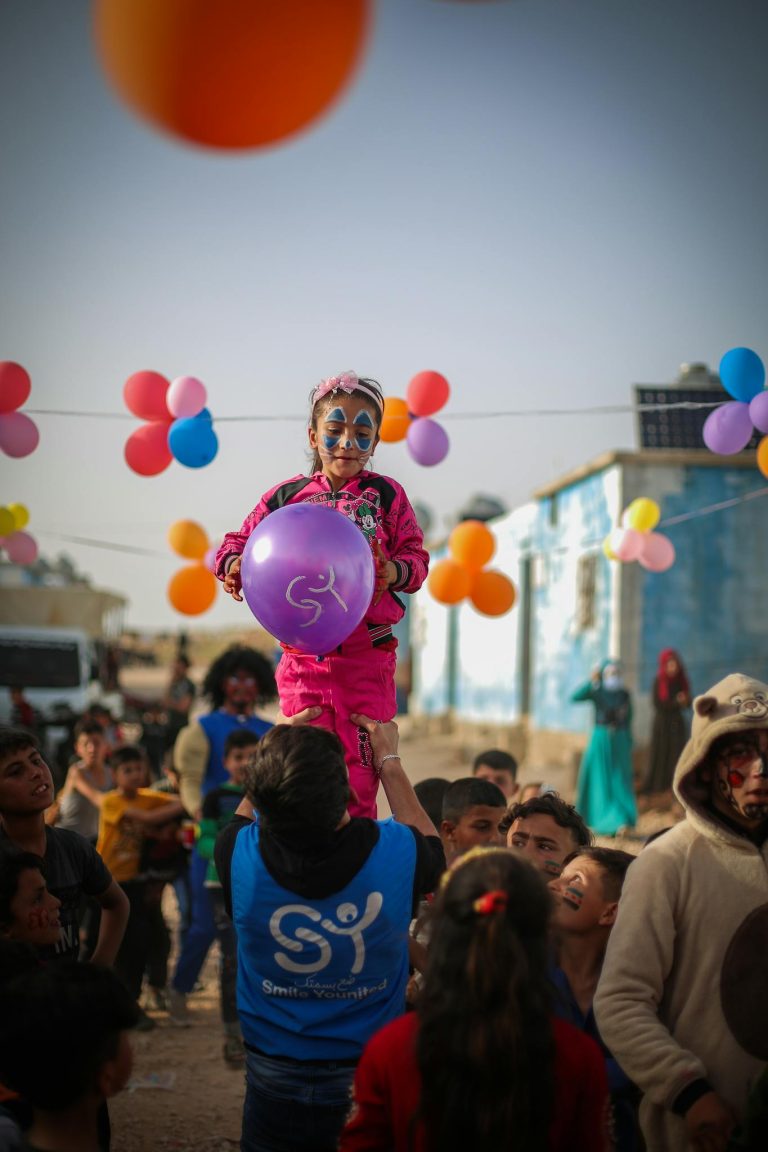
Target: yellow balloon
642,514
20,515
7,522
610,554
188,539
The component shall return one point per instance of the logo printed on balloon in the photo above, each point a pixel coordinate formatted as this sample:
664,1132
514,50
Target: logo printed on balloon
309,604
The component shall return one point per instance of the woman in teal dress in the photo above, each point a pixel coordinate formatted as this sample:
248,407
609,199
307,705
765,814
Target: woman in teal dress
605,793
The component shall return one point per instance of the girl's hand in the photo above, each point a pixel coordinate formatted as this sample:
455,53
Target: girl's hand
232,581
386,572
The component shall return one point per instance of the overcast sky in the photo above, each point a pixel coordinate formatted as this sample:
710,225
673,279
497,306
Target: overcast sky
546,200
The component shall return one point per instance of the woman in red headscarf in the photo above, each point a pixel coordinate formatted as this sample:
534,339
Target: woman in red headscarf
671,698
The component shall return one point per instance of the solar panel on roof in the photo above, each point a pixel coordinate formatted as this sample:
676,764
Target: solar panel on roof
666,427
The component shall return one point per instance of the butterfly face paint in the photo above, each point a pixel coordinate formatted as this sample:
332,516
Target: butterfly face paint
344,437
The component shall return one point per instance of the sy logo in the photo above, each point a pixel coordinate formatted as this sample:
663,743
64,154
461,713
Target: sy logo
350,924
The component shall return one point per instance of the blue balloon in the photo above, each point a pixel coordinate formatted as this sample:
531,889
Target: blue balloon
193,441
742,373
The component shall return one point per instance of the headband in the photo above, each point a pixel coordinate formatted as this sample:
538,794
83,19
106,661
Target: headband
347,382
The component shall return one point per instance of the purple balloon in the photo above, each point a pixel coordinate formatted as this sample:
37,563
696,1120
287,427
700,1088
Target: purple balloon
758,411
728,429
18,434
427,441
308,576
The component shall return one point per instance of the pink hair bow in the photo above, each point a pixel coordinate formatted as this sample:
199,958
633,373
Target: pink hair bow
346,382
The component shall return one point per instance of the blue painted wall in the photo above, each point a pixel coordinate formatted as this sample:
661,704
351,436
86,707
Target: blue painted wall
712,605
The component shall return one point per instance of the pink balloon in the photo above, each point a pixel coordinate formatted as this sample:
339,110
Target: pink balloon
21,548
427,441
18,434
15,386
186,397
210,558
144,394
658,552
146,450
626,544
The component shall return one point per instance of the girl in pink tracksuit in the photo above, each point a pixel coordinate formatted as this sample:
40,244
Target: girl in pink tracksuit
359,676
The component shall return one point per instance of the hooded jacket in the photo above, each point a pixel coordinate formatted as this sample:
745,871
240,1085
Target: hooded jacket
682,1002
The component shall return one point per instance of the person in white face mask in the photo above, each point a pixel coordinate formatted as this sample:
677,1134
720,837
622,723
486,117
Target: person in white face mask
605,793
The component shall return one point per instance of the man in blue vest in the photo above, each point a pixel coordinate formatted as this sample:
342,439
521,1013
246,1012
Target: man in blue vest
235,683
322,904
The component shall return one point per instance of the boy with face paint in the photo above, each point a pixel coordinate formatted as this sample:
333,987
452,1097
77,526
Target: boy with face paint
681,1002
586,898
359,676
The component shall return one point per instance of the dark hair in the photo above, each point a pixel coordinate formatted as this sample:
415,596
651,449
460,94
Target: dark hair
126,754
655,835
469,792
550,804
497,760
13,861
239,657
317,464
16,958
88,727
485,1033
298,782
429,794
613,864
58,1026
240,738
13,739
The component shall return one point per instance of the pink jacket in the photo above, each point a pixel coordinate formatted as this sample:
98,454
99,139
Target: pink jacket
381,510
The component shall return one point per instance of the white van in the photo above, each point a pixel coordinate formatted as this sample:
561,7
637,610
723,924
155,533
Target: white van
54,666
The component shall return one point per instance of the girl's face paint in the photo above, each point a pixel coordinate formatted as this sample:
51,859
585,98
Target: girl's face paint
344,438
35,911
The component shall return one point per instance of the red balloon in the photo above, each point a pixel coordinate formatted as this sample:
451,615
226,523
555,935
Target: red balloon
15,386
144,394
146,449
427,393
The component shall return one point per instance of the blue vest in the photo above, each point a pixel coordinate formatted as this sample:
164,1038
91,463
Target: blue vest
217,726
316,978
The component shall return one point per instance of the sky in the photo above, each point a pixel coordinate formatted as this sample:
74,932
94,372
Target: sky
547,201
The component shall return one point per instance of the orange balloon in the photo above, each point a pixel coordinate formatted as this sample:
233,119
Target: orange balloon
471,544
230,73
192,590
188,539
395,421
762,456
449,582
492,593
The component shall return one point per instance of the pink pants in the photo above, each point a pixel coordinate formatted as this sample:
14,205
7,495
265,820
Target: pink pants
360,678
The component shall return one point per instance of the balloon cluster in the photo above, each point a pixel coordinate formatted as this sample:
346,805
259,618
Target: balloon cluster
18,434
729,428
20,547
636,540
409,419
463,574
179,426
192,590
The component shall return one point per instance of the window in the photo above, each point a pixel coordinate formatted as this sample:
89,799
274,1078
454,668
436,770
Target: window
586,592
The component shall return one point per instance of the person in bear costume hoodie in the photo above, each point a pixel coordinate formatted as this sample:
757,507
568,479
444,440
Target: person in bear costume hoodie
682,999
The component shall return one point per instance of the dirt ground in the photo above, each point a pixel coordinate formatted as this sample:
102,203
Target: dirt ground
182,1096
